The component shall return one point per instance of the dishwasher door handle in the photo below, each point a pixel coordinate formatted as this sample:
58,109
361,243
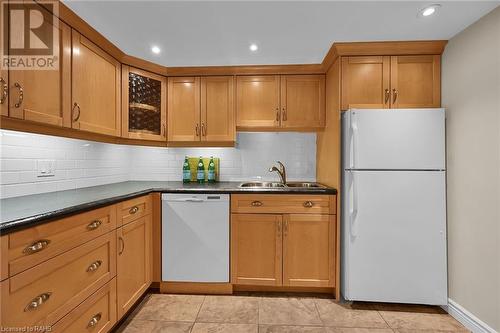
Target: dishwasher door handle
186,200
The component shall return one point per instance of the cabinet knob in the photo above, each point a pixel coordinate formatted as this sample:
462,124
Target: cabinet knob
94,320
197,130
37,302
277,114
5,90
283,112
37,246
94,266
122,242
387,95
133,210
76,106
257,203
94,225
394,95
21,95
308,204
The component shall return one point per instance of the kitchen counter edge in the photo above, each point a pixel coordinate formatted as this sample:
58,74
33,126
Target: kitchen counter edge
33,220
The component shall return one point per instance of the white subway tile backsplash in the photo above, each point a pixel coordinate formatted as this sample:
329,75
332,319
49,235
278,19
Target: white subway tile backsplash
81,163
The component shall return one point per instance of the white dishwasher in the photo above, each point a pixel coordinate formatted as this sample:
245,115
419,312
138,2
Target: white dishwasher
195,237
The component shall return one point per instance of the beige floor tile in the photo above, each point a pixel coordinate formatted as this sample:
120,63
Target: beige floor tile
229,309
171,308
290,329
357,330
288,311
339,315
224,328
421,321
150,326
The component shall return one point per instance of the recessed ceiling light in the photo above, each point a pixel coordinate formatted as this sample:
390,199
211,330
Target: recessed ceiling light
429,10
155,49
253,47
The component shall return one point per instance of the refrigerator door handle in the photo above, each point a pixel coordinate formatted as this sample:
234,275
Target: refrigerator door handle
354,141
354,211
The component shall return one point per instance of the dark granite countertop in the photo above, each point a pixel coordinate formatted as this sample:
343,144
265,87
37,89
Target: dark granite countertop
21,212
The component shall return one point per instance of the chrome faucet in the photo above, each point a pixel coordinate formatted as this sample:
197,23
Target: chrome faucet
281,171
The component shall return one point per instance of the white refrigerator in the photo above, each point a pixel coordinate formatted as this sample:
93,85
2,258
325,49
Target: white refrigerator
394,206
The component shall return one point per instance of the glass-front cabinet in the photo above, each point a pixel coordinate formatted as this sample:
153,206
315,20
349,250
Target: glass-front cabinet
144,105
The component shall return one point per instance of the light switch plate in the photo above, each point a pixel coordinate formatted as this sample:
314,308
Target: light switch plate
46,168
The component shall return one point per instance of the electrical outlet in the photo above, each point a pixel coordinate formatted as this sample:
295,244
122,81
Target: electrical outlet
46,168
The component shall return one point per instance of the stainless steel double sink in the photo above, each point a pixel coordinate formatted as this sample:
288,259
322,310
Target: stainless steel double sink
301,185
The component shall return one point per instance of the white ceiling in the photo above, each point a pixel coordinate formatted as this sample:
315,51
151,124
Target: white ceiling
287,32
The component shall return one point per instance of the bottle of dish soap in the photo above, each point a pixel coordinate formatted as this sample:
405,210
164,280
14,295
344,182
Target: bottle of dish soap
186,171
200,171
211,170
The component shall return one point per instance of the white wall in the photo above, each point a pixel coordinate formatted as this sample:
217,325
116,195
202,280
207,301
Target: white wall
471,94
82,163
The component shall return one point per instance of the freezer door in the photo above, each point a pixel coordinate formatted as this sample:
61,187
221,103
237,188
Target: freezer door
409,139
394,237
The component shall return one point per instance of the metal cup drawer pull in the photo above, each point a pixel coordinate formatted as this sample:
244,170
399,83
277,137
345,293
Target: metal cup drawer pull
94,320
133,210
37,302
37,246
94,225
308,204
94,266
257,203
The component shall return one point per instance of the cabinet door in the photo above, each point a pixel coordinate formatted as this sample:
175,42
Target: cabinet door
95,88
133,274
416,81
308,250
144,105
365,82
258,101
43,95
184,109
256,245
217,109
302,101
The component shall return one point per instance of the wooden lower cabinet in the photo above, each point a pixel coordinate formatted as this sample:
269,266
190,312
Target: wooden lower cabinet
96,314
134,269
295,250
45,293
256,249
308,250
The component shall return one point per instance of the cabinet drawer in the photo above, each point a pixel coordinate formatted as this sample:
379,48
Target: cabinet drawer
133,209
96,314
283,203
32,246
43,294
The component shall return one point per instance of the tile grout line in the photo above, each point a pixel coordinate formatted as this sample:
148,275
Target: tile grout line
390,327
198,313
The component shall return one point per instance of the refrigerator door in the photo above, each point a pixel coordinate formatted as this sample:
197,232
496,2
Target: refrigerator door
404,139
394,237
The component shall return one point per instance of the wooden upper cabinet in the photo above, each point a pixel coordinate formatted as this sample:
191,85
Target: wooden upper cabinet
365,82
309,250
416,81
258,101
134,269
217,109
95,88
302,101
183,109
43,95
144,105
379,82
256,249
